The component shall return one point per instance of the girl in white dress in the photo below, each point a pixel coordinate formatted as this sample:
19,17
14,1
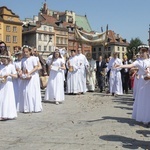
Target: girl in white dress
30,84
17,81
55,87
7,97
141,107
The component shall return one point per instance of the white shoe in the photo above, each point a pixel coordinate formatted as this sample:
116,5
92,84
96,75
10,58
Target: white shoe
57,103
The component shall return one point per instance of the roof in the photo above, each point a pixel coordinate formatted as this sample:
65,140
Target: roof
52,21
116,38
49,19
82,21
4,7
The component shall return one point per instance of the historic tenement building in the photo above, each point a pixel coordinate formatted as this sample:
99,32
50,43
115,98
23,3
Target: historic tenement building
115,43
10,28
66,20
40,35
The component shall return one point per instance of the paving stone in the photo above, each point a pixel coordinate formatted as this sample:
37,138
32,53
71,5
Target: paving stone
94,121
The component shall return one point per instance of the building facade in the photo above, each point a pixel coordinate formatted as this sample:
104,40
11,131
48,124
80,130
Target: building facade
66,21
39,35
10,28
115,43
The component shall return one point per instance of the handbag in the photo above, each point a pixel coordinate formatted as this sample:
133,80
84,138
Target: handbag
43,81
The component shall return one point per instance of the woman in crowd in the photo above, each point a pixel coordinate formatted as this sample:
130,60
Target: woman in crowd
17,81
3,49
141,107
55,87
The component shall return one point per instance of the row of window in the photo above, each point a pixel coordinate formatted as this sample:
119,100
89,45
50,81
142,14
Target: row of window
50,29
72,44
44,37
45,48
108,49
122,48
61,40
9,39
8,29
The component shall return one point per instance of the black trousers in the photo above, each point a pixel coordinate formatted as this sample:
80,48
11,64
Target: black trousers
101,82
125,82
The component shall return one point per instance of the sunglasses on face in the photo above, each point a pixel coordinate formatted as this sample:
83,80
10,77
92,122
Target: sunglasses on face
2,46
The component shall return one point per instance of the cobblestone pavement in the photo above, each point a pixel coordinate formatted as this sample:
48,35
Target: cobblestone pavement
94,121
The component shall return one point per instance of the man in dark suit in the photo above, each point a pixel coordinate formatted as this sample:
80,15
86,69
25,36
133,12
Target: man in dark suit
125,76
100,73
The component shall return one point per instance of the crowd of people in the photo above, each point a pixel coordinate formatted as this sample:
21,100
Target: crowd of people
72,74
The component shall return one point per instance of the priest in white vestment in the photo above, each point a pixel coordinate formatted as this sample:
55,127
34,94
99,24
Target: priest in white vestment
83,64
115,80
72,75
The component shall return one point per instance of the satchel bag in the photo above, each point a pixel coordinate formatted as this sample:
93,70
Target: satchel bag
43,81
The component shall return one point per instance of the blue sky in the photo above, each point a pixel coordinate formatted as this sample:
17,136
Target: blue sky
128,18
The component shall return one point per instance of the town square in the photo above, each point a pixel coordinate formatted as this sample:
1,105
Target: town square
74,76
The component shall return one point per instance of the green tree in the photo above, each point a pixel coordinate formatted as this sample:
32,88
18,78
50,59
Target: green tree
132,49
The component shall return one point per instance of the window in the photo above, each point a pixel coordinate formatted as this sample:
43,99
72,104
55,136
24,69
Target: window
100,49
14,29
109,54
8,28
10,18
40,37
45,28
70,19
61,42
8,38
57,40
94,49
109,48
94,56
39,47
71,43
14,39
118,48
45,37
45,47
74,44
50,29
65,41
50,48
8,48
122,48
